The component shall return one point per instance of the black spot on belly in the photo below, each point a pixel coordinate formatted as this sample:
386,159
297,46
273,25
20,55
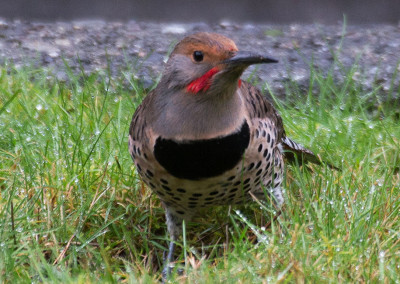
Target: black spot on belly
166,187
198,159
251,166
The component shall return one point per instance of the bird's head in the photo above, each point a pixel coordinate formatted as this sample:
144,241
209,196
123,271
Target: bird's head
208,63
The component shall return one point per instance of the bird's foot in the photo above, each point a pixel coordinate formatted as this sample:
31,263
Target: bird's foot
167,271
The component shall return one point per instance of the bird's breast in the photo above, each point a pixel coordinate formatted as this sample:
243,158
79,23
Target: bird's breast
199,159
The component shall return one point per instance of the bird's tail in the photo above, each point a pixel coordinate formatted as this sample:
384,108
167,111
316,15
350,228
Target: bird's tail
294,151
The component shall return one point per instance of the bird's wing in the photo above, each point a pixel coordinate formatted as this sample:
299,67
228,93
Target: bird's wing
259,107
138,130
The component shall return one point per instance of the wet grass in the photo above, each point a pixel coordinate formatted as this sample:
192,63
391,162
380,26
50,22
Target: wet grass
72,208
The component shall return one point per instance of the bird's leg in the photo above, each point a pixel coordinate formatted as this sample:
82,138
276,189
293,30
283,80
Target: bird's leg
174,226
170,255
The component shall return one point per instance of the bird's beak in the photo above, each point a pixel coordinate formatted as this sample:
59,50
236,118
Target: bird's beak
246,58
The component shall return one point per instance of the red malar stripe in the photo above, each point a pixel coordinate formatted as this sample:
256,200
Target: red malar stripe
202,83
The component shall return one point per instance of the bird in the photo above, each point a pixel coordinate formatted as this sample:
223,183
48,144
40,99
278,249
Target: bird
203,137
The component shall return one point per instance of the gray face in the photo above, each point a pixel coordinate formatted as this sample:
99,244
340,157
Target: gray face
182,114
181,70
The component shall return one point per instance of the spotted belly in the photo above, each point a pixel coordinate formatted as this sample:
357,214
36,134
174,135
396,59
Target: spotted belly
259,169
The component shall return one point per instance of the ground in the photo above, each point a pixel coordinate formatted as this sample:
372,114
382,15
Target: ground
97,45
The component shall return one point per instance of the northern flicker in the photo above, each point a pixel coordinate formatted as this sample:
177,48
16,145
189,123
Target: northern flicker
203,137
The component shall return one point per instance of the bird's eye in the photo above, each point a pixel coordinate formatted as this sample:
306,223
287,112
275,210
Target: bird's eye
198,56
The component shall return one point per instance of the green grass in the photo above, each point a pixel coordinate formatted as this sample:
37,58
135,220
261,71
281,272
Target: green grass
72,208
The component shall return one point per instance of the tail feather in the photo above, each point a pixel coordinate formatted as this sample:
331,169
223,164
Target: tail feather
294,151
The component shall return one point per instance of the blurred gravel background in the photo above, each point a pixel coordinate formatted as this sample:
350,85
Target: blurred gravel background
143,48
